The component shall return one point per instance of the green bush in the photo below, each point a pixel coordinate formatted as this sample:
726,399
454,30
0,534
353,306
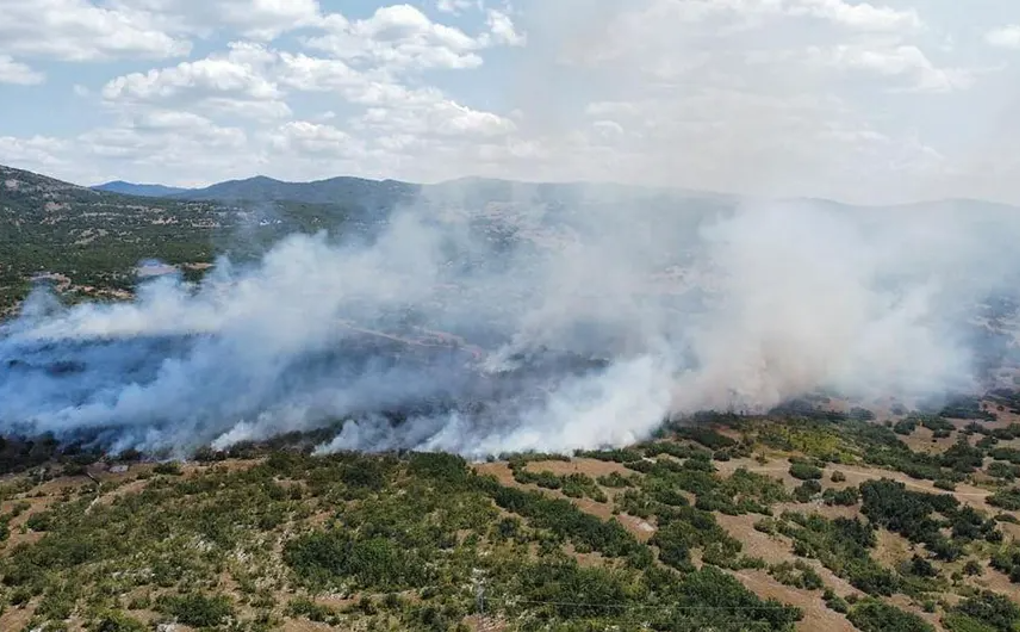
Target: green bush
797,574
171,468
842,497
1008,499
614,480
116,621
875,615
803,471
198,610
985,611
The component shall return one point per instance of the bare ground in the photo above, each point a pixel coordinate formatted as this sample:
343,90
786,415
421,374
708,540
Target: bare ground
817,617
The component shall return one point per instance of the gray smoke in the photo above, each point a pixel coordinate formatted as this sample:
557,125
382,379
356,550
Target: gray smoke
482,330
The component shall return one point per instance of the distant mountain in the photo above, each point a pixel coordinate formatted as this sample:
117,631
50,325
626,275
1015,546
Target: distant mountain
146,190
329,191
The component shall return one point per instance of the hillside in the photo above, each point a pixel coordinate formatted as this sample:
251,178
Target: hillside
87,242
373,194
724,523
146,190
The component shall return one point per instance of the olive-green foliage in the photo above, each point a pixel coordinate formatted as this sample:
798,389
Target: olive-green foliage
843,497
323,559
562,517
803,471
842,545
1006,559
797,574
910,513
420,523
875,615
115,621
684,528
985,611
574,485
614,480
1008,498
302,607
197,610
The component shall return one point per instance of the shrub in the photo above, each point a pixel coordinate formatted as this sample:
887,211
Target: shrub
1005,499
834,602
803,471
614,480
797,574
875,615
40,521
985,611
116,621
844,497
198,610
171,468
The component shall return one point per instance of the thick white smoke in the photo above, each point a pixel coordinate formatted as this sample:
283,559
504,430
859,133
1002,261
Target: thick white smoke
482,332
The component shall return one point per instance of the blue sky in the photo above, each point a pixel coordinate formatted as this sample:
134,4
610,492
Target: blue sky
865,102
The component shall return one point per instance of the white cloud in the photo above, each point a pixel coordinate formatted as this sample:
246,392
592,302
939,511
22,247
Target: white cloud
234,82
254,19
440,117
861,15
851,15
893,61
38,151
502,29
77,30
400,38
1007,37
307,73
455,6
814,97
266,19
163,146
309,138
14,72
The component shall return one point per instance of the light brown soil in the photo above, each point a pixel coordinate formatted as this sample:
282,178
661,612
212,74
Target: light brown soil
817,617
587,466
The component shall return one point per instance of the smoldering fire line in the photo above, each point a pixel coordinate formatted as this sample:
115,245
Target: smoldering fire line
490,346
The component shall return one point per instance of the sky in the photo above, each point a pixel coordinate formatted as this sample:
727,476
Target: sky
887,101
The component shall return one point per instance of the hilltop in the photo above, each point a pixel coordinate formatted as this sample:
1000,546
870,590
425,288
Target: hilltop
146,190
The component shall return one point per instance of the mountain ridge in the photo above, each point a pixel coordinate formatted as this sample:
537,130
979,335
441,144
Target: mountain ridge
138,189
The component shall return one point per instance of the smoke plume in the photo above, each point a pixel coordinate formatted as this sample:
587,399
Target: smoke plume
482,330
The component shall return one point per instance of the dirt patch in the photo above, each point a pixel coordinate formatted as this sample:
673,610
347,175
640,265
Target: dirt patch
998,582
921,440
817,617
479,623
15,618
642,529
586,466
779,470
302,625
134,486
965,493
890,548
500,471
826,511
772,549
905,603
